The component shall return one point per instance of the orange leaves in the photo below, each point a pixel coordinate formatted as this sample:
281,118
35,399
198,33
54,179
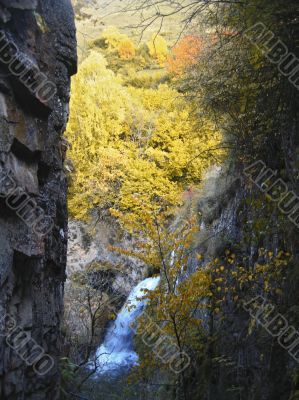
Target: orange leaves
185,54
126,49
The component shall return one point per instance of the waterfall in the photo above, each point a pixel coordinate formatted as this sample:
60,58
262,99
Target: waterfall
117,351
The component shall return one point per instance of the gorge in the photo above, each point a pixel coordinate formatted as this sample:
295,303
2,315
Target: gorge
149,200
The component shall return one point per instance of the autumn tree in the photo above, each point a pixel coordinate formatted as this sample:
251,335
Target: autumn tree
133,150
126,49
184,54
158,48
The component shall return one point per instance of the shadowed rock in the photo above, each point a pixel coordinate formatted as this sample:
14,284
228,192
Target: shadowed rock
33,259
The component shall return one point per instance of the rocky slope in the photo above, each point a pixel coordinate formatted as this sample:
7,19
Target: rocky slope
37,58
89,244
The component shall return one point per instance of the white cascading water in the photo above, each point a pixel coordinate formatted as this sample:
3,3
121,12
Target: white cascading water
117,351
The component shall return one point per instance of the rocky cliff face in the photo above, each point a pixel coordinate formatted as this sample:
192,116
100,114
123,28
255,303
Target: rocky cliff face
37,58
89,244
244,355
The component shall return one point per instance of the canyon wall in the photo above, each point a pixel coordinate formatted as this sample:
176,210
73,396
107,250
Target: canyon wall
37,58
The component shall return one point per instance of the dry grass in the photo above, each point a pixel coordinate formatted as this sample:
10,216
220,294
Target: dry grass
93,19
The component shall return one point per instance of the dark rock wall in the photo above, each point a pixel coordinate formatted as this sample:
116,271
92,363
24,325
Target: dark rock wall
33,240
245,361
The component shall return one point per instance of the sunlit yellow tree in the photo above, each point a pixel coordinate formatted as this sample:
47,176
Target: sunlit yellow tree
133,150
158,48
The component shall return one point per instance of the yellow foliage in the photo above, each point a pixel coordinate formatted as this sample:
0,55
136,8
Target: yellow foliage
126,49
113,37
158,48
140,153
133,149
175,304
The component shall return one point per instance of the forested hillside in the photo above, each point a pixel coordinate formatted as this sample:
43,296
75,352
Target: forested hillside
183,169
